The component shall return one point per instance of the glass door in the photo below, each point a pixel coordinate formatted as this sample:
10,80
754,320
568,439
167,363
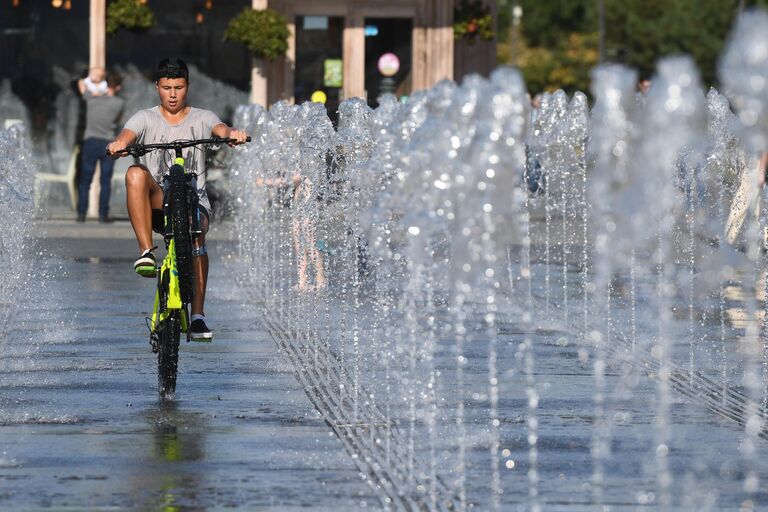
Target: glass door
388,44
318,75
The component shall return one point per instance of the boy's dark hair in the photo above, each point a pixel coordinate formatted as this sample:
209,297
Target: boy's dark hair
114,80
172,68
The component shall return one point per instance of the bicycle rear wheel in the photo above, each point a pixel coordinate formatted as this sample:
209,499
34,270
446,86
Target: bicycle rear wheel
168,354
181,232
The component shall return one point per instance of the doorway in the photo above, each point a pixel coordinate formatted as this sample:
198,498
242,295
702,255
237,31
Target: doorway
318,60
388,36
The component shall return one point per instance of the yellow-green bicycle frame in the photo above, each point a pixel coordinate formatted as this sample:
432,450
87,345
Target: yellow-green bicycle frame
174,292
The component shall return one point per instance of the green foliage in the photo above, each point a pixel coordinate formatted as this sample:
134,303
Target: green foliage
472,19
503,18
264,32
637,33
130,14
548,23
566,66
640,32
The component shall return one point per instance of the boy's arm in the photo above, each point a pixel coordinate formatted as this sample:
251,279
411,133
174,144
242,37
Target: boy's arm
81,86
225,132
122,141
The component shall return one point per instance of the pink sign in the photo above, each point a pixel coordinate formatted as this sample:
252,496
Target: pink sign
389,64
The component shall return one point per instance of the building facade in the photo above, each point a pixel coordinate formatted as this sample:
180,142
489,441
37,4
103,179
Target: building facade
335,47
358,33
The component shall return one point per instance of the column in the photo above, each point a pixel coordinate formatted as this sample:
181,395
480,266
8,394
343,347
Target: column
259,82
98,27
442,41
97,57
432,43
354,56
289,63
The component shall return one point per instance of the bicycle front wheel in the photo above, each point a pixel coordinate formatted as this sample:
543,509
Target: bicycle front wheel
181,233
168,354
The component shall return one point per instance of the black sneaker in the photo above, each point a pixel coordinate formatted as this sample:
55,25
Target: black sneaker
105,219
198,331
146,265
80,217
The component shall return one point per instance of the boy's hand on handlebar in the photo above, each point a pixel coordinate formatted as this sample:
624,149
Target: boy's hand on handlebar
239,135
116,148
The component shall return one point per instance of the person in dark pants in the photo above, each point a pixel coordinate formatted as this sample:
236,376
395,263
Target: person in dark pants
102,114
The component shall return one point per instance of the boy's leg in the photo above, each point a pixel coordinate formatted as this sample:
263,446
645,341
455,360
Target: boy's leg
199,331
200,269
142,194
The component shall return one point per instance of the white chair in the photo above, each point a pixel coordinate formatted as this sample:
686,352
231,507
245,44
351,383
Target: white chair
67,178
118,172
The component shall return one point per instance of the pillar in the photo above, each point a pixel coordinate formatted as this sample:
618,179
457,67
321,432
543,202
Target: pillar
98,28
441,41
97,50
289,63
354,56
259,83
432,43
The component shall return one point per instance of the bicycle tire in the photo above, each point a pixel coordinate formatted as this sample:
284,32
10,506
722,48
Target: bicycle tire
168,355
181,232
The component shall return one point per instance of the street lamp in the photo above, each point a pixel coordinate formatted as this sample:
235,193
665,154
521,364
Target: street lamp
517,14
601,28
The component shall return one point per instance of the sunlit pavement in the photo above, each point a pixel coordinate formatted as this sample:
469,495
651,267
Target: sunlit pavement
80,424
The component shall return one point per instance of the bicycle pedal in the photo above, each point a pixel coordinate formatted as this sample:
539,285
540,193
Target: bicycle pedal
154,341
154,337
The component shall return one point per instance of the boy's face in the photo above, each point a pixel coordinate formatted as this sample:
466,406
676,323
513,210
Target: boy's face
173,93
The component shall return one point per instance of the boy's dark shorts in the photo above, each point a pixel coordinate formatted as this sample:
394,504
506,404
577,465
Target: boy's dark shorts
158,220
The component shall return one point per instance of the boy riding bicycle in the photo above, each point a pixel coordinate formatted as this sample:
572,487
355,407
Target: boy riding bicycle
172,120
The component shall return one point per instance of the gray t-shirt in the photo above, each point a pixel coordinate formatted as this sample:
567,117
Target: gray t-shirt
150,127
101,115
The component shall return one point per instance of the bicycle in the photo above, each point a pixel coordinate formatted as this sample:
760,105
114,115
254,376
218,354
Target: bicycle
175,279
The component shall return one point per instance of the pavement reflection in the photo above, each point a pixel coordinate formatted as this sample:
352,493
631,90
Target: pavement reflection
81,427
178,438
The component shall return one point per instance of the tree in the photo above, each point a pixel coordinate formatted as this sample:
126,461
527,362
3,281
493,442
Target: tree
556,37
640,32
550,22
555,45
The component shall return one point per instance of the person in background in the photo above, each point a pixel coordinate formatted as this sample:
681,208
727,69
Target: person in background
643,86
533,174
95,82
102,114
762,168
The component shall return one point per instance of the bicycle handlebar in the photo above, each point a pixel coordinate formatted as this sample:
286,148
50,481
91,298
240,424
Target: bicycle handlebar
137,150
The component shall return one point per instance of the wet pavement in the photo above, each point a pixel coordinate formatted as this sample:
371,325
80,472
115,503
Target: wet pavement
81,427
80,424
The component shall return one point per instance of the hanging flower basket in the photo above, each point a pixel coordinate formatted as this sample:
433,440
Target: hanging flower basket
263,31
471,20
130,14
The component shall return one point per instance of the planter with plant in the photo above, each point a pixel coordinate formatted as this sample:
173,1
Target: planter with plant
472,19
130,14
263,31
